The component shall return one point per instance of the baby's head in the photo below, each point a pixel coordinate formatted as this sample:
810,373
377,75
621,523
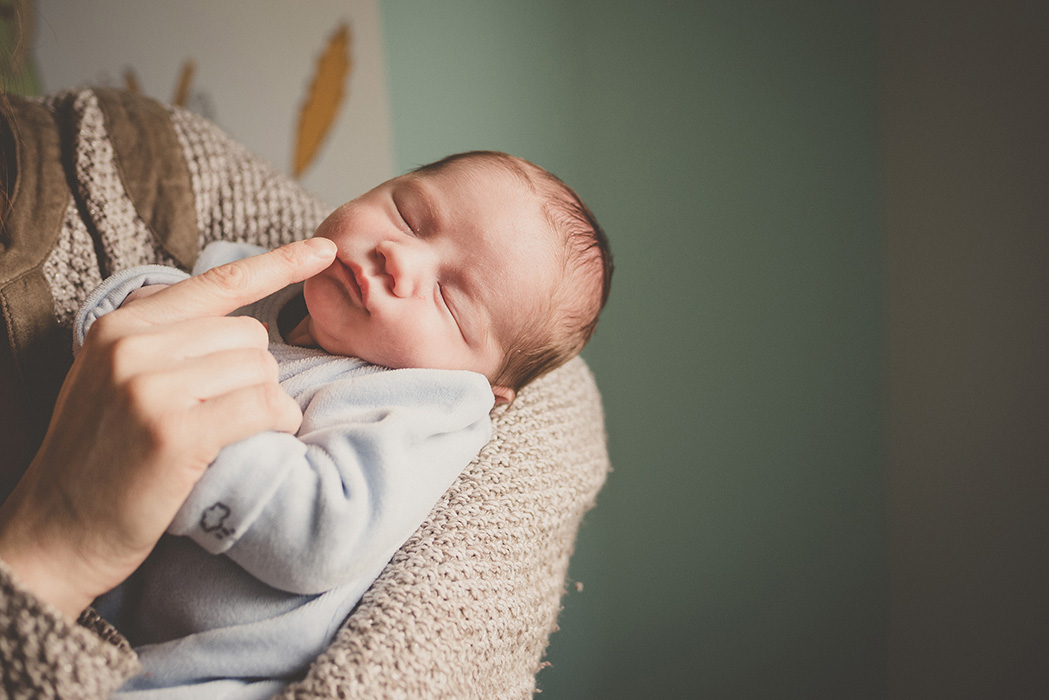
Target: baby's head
480,261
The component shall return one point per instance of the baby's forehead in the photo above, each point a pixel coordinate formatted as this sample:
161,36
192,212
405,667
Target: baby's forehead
501,192
482,166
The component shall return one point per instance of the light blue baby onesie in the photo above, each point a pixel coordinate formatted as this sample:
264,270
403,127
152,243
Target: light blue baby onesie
284,534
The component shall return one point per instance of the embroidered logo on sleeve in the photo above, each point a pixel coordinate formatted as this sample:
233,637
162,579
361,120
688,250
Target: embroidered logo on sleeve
213,521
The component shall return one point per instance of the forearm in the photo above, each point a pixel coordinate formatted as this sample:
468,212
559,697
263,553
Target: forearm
135,425
50,572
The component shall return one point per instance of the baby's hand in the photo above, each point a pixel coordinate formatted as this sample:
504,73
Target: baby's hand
143,292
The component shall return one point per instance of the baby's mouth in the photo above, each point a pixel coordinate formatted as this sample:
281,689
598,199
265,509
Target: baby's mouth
353,282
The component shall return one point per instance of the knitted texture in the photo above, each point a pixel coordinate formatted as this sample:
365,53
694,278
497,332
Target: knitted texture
44,655
465,609
238,196
125,238
72,269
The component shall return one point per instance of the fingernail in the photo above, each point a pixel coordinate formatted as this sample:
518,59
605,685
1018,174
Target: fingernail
321,247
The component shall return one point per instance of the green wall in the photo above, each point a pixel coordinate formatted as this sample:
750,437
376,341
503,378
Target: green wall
730,150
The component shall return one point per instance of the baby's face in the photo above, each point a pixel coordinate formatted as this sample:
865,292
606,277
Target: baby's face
433,270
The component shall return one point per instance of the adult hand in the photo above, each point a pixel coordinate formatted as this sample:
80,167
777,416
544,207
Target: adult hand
159,387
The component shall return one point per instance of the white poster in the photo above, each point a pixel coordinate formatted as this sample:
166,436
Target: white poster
249,65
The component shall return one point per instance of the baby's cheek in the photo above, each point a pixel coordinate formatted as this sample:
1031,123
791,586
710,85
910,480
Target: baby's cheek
412,341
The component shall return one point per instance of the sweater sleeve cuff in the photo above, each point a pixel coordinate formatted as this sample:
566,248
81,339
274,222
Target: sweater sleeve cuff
44,654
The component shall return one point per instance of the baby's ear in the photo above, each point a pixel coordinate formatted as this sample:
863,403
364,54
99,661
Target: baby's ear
503,394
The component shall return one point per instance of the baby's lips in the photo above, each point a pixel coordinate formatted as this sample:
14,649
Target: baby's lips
355,281
361,282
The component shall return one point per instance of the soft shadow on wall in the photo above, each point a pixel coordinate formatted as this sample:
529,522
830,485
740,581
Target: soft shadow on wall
730,150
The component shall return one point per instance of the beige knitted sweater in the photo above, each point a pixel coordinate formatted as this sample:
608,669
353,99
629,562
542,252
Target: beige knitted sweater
106,180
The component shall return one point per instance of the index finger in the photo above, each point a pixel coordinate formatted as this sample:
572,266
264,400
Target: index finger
226,288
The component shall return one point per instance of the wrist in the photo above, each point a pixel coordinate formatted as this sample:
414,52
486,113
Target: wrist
46,552
40,570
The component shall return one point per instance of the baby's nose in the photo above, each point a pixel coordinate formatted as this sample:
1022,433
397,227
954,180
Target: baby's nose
402,285
404,267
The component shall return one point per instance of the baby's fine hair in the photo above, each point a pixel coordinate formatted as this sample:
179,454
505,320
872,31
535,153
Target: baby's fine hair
556,335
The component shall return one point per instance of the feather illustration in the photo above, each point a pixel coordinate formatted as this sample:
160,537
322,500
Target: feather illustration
185,81
323,100
131,80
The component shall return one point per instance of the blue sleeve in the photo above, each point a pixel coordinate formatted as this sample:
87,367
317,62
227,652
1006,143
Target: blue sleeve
221,252
109,295
373,456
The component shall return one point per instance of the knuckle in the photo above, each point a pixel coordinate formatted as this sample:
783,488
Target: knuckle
105,329
150,417
292,255
265,364
158,419
159,433
138,392
227,277
121,353
255,333
276,401
273,399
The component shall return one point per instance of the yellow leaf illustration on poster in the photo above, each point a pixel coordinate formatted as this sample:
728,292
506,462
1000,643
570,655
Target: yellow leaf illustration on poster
185,82
325,96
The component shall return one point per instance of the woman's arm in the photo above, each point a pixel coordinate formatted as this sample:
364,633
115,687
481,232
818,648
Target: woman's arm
376,449
148,403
